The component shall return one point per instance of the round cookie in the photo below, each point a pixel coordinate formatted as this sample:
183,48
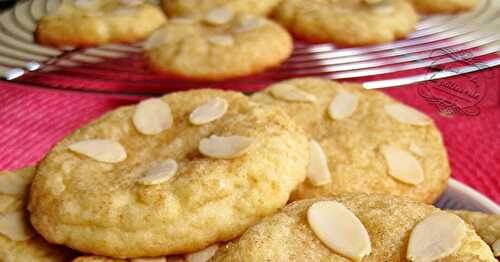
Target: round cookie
109,189
198,7
18,242
444,6
82,23
361,146
388,221
487,227
238,46
347,22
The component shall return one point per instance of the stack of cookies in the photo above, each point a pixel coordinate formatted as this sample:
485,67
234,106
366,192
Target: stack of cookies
305,170
214,40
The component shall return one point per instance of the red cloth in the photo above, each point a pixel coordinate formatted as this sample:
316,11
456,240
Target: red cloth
32,120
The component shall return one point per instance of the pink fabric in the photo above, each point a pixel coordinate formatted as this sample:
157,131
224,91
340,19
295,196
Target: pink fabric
32,120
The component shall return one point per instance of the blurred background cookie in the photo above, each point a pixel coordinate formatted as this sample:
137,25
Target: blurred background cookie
219,46
81,23
444,6
362,141
18,241
347,22
171,175
199,7
358,227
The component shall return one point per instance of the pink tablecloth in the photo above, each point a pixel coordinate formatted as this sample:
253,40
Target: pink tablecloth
32,120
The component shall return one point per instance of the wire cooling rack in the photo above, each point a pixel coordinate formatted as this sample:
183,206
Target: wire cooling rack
454,41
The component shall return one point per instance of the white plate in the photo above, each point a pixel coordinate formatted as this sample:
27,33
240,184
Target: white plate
460,196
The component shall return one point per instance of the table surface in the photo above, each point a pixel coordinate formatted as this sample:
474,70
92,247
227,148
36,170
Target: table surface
32,120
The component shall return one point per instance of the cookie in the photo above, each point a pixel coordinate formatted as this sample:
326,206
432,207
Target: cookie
218,47
357,227
347,23
444,6
18,242
487,227
199,7
362,141
82,23
168,176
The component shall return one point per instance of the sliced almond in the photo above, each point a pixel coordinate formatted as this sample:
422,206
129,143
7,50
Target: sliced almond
85,3
124,10
317,170
210,111
247,24
102,150
496,248
407,115
402,165
291,93
156,259
415,149
339,229
14,226
436,237
382,8
16,183
343,105
203,255
221,40
219,16
159,173
225,147
132,2
152,116
156,39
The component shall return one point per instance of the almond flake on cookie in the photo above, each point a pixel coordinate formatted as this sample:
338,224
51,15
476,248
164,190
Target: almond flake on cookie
496,248
247,24
203,255
12,183
221,40
415,149
85,3
155,40
291,93
339,229
407,115
152,116
402,165
317,170
102,150
212,110
382,8
343,105
219,16
159,173
14,226
225,147
437,236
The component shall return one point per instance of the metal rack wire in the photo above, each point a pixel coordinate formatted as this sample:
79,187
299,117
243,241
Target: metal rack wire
439,40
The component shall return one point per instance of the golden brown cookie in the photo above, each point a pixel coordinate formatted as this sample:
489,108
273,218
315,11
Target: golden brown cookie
384,227
367,141
220,46
444,6
199,7
487,227
347,22
18,242
172,175
81,23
